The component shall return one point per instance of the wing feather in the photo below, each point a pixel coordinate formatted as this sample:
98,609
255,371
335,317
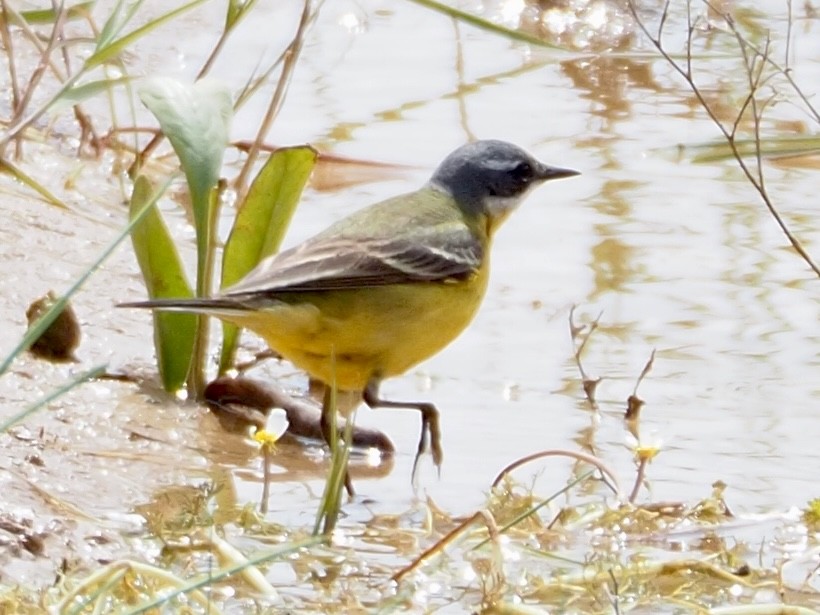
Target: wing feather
325,264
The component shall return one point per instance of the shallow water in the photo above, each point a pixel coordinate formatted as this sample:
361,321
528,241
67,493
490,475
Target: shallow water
678,257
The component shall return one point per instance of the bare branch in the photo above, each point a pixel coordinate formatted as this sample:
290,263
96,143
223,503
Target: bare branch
755,62
589,384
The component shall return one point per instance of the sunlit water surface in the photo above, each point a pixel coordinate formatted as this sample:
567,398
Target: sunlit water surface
677,257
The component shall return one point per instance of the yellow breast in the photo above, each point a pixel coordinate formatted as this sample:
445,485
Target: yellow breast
350,336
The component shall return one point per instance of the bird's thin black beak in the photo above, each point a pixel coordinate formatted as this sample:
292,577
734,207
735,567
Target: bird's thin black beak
546,172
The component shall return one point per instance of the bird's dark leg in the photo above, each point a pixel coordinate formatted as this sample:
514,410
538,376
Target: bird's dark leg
328,436
429,421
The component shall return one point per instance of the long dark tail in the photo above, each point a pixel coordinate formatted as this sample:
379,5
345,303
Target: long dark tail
209,306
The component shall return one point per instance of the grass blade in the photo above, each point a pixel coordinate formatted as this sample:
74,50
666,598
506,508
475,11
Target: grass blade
23,178
36,330
49,16
237,9
220,575
80,93
769,148
484,24
110,49
76,381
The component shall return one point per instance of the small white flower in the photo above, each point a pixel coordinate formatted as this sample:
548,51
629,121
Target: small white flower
275,426
646,448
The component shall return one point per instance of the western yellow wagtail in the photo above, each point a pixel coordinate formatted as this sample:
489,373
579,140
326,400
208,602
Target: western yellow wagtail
388,286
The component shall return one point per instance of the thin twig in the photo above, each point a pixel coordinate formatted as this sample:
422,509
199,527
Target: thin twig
646,369
291,56
639,478
789,24
39,70
590,459
243,10
88,133
45,56
8,44
635,403
481,516
754,176
614,594
589,384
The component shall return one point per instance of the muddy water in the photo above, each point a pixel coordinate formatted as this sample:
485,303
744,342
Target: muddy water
679,257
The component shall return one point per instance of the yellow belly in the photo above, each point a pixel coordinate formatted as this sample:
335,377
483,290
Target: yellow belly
351,336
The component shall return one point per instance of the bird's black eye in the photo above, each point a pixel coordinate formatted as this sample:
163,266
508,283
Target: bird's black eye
523,172
510,181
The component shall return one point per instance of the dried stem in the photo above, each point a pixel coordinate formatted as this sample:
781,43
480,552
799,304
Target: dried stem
39,70
755,60
590,459
481,516
291,56
8,44
223,38
635,403
614,593
639,479
646,369
589,384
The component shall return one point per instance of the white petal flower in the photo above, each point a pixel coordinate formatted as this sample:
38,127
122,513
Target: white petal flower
275,426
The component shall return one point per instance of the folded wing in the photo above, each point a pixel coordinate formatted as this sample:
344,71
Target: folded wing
344,263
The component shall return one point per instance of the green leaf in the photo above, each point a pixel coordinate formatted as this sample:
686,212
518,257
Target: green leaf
79,93
23,178
118,17
262,221
237,9
195,118
164,278
769,148
49,16
108,49
265,215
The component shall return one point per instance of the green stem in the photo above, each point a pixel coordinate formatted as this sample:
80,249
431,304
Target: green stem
206,250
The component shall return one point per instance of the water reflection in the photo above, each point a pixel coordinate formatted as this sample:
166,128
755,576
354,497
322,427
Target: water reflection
580,25
678,256
609,83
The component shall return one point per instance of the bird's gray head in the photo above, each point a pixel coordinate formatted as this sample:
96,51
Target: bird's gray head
491,177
